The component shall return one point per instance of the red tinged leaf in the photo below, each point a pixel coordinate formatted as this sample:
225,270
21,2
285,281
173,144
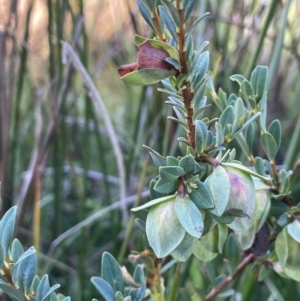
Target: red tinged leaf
151,57
148,57
125,69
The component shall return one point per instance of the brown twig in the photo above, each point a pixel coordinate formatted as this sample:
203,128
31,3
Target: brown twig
215,291
186,93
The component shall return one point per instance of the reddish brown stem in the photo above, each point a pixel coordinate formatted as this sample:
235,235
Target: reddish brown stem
186,93
215,291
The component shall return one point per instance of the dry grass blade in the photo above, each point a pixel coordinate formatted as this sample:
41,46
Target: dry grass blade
68,50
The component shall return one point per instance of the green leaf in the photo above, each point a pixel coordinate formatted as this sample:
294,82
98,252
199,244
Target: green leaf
191,29
103,288
189,216
207,248
185,248
227,118
250,137
170,173
247,170
200,67
153,193
269,145
138,276
258,80
231,249
175,102
225,218
219,134
245,238
147,76
35,283
26,268
7,226
201,196
172,10
158,159
188,164
219,187
275,130
172,161
111,272
247,123
13,293
248,93
263,110
198,100
188,6
154,202
223,233
180,114
238,78
1,257
173,62
239,115
181,122
163,186
281,247
44,290
242,193
145,13
294,230
168,22
201,133
16,250
198,114
287,250
163,228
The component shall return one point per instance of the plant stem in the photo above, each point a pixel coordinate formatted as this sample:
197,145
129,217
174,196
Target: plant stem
186,93
215,291
176,282
275,174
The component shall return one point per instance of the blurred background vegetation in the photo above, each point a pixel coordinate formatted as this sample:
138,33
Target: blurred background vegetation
56,159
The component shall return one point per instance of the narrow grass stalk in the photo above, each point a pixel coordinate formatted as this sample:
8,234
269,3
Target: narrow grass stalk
262,36
110,129
130,224
176,282
278,46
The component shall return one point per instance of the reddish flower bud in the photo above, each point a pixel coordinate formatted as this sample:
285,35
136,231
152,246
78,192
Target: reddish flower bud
148,57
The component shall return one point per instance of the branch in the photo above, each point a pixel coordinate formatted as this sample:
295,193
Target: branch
215,291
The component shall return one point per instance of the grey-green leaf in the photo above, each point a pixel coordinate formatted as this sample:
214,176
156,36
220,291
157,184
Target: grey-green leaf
168,21
189,216
7,226
200,67
103,288
201,196
170,173
226,119
111,272
26,270
219,134
163,228
275,130
172,10
200,135
185,249
145,13
188,164
219,187
269,145
258,80
188,6
44,290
